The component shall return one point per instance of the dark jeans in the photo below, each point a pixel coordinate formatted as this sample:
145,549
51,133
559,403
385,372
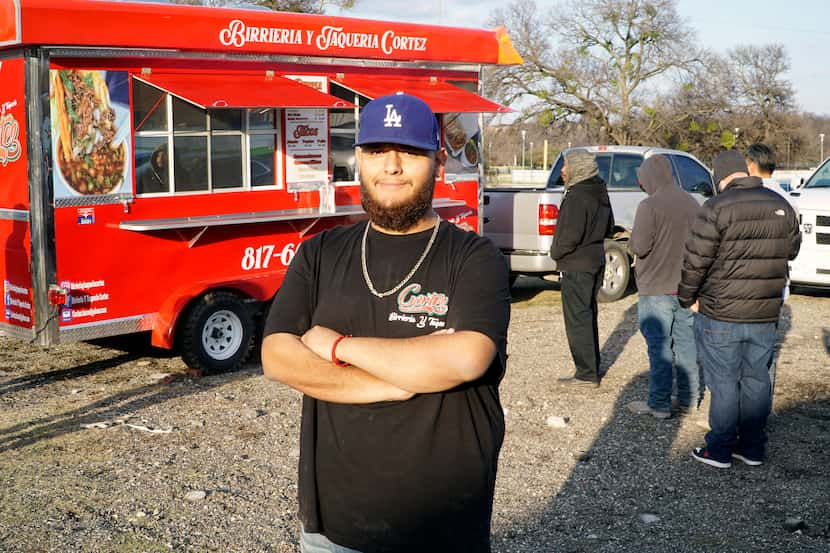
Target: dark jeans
579,307
670,338
735,359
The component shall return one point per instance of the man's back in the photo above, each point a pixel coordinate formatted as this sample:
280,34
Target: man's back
736,258
661,227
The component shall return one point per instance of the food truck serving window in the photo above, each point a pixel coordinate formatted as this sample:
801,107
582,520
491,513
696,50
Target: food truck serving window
204,133
343,130
184,148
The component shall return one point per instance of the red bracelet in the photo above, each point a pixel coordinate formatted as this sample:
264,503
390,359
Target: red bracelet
334,358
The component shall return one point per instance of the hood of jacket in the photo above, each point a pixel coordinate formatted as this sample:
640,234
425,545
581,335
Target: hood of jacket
655,174
582,165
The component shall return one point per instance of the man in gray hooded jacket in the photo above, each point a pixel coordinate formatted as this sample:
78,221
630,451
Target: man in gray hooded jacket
585,221
661,226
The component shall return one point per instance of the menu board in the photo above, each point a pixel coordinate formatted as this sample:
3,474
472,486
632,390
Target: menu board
306,148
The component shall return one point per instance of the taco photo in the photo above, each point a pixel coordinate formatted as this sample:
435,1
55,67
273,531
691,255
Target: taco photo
89,150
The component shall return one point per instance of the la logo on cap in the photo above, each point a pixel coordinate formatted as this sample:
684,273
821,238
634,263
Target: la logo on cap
392,118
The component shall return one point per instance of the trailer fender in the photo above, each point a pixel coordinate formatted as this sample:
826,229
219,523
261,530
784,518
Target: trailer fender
168,315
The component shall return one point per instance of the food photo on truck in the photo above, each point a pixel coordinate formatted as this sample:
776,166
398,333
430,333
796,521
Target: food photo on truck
160,164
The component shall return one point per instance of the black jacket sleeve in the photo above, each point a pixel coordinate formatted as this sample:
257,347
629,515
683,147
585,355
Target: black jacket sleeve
701,250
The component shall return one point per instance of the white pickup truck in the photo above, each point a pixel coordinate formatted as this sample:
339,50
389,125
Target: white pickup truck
812,266
521,221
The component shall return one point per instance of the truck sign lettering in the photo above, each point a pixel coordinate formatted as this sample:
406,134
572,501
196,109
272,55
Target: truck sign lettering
260,258
9,140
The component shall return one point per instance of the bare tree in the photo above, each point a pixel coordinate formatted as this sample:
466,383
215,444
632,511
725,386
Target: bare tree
303,6
760,89
595,59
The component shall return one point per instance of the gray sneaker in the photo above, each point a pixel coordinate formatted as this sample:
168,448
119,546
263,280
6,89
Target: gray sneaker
643,408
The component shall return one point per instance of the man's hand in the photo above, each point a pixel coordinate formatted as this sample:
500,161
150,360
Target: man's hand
694,307
320,340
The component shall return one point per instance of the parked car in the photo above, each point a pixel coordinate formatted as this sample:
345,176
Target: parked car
812,266
521,221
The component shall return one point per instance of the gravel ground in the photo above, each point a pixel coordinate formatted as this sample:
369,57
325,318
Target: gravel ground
114,446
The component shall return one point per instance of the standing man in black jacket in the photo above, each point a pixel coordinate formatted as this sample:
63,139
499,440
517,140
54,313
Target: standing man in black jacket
734,270
585,221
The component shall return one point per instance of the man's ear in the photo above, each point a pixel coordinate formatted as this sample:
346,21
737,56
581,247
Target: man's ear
358,152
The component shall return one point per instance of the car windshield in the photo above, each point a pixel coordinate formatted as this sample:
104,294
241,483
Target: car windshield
821,178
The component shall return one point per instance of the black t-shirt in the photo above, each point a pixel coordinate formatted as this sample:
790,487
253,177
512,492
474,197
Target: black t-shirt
400,476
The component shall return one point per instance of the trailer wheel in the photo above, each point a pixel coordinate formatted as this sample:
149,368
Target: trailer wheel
218,333
617,275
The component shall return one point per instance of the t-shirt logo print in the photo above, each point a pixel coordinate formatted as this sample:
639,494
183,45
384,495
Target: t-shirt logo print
392,118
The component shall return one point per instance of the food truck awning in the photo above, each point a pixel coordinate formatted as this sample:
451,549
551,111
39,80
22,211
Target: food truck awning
441,96
243,91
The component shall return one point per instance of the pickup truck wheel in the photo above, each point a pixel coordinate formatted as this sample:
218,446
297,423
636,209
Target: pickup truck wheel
218,333
513,277
617,273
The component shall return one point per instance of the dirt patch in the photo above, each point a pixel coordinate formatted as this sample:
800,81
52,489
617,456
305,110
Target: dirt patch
113,446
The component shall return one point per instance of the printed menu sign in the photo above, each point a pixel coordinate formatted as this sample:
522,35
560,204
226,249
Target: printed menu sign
306,148
90,132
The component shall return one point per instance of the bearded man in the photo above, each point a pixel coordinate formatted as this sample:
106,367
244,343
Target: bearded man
395,331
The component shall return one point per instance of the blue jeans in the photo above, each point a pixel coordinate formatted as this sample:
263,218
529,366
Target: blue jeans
318,543
668,330
735,359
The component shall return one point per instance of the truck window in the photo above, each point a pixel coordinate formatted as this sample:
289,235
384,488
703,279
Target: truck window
624,171
821,178
180,147
343,135
555,177
693,177
604,166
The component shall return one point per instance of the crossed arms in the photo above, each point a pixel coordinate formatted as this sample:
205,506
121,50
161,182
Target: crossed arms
380,369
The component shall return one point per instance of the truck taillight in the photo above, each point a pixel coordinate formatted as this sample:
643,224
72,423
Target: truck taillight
548,214
58,295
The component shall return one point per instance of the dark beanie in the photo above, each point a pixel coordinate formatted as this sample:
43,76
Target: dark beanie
728,162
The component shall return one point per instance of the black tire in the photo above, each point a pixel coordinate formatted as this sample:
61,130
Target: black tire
513,277
217,333
617,275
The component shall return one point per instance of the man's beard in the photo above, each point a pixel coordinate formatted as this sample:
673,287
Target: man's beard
399,217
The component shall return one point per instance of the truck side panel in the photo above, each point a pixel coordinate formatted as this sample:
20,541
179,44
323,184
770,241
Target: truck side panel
17,317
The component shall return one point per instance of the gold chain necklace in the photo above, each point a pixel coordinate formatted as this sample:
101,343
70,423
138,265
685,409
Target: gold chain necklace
411,273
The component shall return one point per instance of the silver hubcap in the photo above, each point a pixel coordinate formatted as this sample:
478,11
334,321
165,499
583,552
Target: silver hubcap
614,272
222,335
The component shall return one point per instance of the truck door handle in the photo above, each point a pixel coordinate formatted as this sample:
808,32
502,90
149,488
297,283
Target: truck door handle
486,200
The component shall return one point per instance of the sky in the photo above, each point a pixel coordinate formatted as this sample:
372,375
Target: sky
719,25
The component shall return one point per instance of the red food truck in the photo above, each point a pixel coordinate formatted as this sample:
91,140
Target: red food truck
160,164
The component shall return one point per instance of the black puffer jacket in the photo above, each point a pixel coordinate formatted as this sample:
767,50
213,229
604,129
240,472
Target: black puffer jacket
735,261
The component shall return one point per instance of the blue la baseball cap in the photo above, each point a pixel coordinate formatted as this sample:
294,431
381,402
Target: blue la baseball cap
398,119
